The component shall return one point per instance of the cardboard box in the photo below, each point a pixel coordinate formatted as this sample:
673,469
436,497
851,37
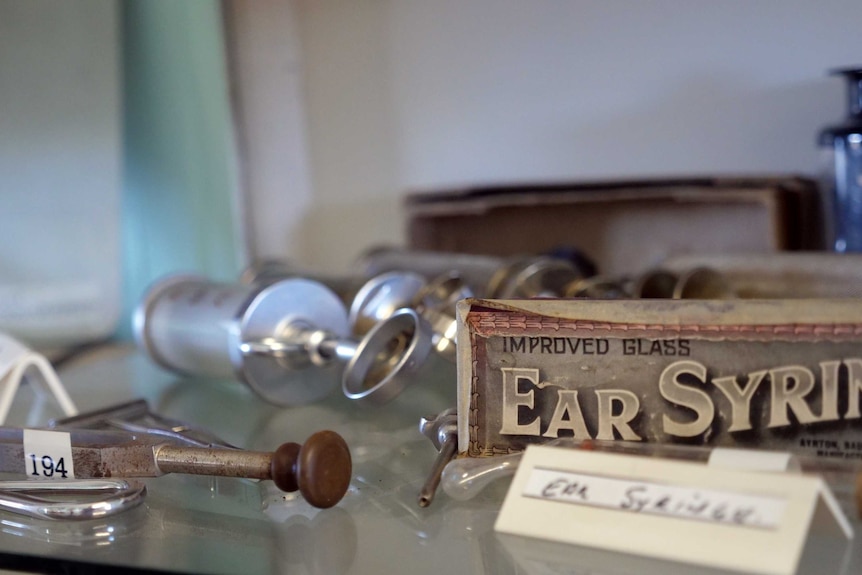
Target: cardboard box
772,374
624,226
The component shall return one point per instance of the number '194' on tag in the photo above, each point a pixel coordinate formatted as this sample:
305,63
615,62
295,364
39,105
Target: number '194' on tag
48,454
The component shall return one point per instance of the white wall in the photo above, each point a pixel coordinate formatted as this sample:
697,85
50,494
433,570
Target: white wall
404,94
60,169
266,70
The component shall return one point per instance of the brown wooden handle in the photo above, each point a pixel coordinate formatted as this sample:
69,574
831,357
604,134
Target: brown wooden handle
320,469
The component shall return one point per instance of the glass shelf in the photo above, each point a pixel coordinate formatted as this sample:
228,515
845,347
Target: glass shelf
221,525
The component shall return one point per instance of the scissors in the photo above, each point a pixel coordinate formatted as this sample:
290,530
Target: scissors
136,416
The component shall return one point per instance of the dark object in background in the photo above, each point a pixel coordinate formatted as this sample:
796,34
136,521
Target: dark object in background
841,147
581,261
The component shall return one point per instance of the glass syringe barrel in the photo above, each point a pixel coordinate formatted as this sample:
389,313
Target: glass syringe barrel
193,325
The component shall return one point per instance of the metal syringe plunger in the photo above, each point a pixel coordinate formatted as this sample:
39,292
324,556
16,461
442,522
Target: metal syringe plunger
374,300
433,300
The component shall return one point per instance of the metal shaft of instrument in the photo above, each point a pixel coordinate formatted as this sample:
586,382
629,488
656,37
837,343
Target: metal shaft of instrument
216,462
271,346
330,347
447,452
342,350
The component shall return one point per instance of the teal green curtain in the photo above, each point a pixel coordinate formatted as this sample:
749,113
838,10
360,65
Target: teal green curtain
180,175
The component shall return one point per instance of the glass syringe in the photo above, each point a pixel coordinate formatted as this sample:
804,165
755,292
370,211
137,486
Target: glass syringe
466,477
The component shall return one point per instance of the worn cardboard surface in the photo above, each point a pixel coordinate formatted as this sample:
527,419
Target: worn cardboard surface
775,374
781,275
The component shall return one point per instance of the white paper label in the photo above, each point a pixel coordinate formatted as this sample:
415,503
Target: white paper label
727,519
48,454
653,498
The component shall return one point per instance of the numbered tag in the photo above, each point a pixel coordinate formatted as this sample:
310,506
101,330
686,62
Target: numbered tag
48,454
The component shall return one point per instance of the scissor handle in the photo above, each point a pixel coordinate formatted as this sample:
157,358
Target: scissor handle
26,498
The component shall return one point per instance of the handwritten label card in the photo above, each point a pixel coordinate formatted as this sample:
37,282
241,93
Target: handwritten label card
711,505
741,520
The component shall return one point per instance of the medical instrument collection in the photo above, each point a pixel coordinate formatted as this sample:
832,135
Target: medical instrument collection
289,333
268,335
379,324
274,324
291,336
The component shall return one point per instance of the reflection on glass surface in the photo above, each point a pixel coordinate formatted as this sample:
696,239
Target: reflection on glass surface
92,533
324,544
226,409
227,526
534,556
